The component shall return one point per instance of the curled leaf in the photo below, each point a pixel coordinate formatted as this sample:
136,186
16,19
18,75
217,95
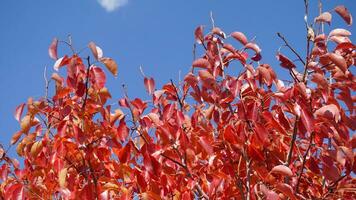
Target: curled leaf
324,17
61,62
97,52
338,60
253,46
52,50
36,148
201,63
18,111
344,13
110,65
25,124
339,32
283,170
330,111
219,32
239,37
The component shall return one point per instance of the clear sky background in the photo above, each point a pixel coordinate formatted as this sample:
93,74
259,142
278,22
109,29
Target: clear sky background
155,34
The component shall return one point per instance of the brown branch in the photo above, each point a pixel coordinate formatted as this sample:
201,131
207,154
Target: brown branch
290,47
179,99
86,84
303,163
201,193
134,120
248,178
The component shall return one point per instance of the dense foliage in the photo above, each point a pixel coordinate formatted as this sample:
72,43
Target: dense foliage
214,135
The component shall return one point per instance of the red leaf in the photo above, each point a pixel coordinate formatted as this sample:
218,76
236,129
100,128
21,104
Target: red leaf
229,135
219,32
202,63
324,17
61,62
240,37
122,130
344,13
282,169
307,119
205,144
52,51
139,105
330,111
345,46
18,111
97,77
262,133
15,192
198,34
330,172
285,62
123,103
124,154
338,60
286,189
149,85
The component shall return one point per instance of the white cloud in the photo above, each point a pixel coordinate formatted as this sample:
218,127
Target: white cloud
111,5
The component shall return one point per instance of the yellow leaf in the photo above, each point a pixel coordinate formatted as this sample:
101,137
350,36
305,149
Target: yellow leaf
25,124
111,186
62,176
36,148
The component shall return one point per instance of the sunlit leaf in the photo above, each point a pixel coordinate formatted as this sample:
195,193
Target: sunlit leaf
324,17
282,169
240,37
110,65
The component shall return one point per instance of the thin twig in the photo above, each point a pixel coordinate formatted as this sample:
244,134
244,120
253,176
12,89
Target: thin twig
134,120
290,47
86,84
303,163
178,97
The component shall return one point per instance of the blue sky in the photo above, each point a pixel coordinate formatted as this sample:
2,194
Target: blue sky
155,34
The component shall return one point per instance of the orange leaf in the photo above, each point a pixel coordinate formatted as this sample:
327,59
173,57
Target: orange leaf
110,64
16,137
25,123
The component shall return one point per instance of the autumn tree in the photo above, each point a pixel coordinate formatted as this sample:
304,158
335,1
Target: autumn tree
214,135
